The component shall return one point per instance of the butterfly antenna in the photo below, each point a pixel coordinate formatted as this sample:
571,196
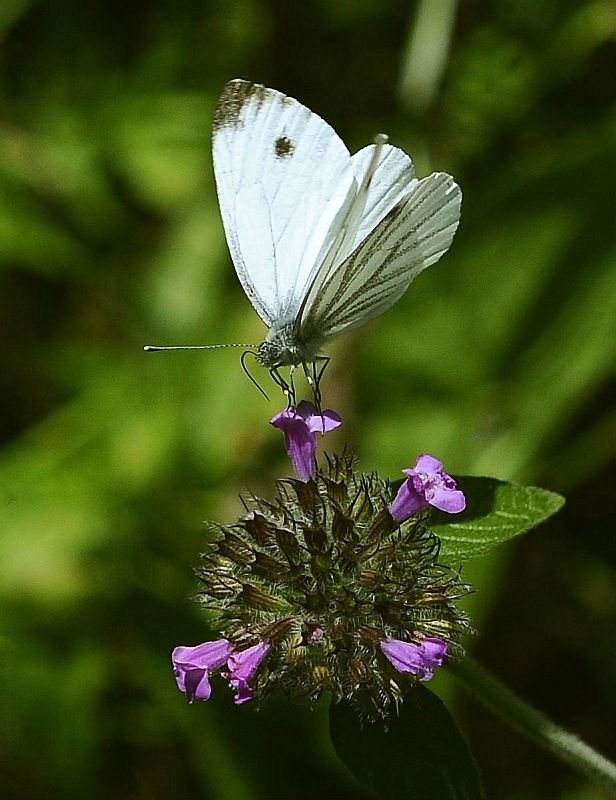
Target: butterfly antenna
153,348
247,371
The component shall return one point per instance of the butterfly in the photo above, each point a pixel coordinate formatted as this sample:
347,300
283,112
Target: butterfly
322,241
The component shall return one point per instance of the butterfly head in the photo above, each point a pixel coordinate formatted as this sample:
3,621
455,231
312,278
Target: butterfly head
282,348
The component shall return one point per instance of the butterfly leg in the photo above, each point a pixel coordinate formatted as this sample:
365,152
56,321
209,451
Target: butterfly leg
314,377
311,380
291,385
287,388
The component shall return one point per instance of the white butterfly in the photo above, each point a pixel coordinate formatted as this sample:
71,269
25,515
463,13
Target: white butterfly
322,241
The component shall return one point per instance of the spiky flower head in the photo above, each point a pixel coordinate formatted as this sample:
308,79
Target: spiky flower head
340,596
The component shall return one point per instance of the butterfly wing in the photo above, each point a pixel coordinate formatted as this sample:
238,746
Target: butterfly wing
393,178
410,237
284,179
384,175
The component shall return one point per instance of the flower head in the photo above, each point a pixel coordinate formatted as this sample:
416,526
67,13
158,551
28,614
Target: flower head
427,484
300,427
420,659
192,666
322,590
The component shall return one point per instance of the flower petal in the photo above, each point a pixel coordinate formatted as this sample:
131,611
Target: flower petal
427,484
191,666
243,692
419,659
301,446
242,666
194,683
324,422
305,410
207,655
300,427
428,465
450,500
299,441
434,649
407,502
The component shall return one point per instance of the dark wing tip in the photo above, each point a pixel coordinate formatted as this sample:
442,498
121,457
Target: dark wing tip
235,95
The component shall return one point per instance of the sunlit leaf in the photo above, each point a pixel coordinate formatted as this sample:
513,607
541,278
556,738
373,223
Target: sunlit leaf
495,512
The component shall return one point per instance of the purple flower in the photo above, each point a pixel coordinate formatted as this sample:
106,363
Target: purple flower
242,666
427,484
420,659
192,666
316,635
300,427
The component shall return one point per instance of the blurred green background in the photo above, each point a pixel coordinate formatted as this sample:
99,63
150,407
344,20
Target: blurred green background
500,360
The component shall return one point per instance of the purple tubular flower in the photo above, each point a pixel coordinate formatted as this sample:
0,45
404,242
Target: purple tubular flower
242,666
300,427
316,635
192,666
427,484
420,659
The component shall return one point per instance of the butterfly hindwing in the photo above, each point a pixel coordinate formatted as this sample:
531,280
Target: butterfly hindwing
393,179
384,175
413,235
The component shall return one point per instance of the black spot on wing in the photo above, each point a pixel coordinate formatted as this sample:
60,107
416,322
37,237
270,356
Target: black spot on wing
284,147
234,97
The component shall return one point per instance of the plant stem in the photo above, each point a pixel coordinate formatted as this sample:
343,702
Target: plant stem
566,746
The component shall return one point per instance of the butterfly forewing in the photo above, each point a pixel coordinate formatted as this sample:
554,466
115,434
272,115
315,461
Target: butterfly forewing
284,180
413,235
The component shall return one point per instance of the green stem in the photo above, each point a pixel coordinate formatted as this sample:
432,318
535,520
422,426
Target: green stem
533,724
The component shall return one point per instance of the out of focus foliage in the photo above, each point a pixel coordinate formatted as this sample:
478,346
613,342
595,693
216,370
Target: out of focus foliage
500,360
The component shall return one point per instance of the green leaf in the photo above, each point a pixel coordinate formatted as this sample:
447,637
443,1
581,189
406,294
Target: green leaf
421,754
495,511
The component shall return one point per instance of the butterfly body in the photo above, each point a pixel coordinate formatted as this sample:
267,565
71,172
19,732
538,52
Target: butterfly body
283,347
